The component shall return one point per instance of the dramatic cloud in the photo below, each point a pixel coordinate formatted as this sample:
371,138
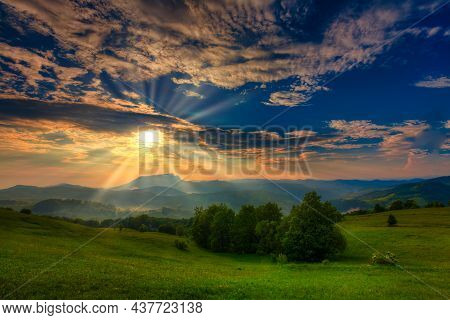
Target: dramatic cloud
286,98
92,117
358,129
437,83
225,43
193,94
302,133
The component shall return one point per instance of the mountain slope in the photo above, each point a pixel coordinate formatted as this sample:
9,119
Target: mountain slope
170,192
437,189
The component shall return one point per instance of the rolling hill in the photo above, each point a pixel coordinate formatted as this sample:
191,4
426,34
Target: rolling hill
146,265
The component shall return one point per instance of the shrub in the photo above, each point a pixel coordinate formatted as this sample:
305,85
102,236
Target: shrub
25,211
143,228
281,258
396,205
181,244
392,220
383,259
312,234
378,208
411,204
180,231
167,228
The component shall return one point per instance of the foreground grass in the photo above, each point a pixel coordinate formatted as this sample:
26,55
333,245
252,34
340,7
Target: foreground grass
133,265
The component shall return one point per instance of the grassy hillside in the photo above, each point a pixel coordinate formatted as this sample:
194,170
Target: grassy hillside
133,265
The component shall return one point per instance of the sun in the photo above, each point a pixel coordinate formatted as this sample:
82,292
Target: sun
151,138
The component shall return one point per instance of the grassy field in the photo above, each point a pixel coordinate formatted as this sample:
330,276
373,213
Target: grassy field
133,265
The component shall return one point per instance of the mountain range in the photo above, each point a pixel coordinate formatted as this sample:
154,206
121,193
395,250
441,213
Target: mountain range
170,195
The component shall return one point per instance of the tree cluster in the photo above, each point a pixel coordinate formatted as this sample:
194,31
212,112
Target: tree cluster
397,205
308,233
142,223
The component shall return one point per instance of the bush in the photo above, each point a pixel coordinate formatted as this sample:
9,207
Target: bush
180,231
181,245
383,259
281,258
25,211
378,208
143,228
396,205
392,220
312,234
167,228
411,204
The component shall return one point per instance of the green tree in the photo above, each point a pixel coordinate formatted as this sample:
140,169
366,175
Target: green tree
25,211
268,235
167,228
269,211
180,231
201,226
378,208
411,204
396,205
243,232
312,234
392,221
221,227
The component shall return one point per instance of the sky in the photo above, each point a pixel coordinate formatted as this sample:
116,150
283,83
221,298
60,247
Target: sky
98,92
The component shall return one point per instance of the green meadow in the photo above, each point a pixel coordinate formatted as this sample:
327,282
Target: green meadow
146,265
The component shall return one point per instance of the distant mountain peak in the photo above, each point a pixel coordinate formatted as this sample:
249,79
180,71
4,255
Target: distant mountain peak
160,180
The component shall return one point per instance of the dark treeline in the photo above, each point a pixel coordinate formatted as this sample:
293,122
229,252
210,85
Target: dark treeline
397,205
308,233
142,223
